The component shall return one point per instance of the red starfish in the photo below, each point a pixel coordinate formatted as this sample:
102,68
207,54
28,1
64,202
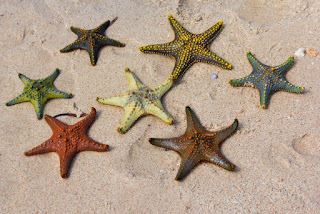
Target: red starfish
197,144
68,140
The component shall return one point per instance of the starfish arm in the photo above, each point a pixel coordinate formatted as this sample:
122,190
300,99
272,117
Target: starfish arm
205,55
209,35
255,63
179,31
38,104
19,99
188,161
177,144
264,96
102,28
78,31
45,147
84,125
163,88
55,124
103,40
163,49
24,79
87,144
78,44
281,69
158,111
50,79
52,93
66,157
241,81
286,86
216,157
132,113
119,100
183,63
193,123
221,135
92,50
133,80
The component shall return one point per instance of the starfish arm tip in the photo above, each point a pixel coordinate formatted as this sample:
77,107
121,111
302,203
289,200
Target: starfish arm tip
170,16
236,122
121,130
142,49
263,106
231,168
249,53
64,175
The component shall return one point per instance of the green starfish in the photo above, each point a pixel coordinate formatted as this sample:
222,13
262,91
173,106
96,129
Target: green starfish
140,100
267,79
188,48
38,92
92,41
197,144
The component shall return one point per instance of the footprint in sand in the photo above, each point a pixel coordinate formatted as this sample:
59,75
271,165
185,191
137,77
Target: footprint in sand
307,145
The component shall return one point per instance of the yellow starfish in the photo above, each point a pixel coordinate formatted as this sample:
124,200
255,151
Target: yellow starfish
188,48
140,100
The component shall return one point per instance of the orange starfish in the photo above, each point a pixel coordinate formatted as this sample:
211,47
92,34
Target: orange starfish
68,140
197,144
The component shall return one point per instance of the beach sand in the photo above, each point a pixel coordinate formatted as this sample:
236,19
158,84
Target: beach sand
276,150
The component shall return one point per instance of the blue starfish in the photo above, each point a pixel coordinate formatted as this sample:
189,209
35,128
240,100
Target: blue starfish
267,79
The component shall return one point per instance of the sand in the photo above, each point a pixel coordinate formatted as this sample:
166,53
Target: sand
276,150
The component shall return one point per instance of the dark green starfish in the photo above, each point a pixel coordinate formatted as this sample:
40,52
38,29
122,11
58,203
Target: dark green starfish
38,92
92,41
197,144
267,79
188,48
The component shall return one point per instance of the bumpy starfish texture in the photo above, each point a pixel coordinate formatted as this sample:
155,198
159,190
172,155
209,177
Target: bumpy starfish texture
139,100
68,140
267,79
197,144
92,41
188,48
38,92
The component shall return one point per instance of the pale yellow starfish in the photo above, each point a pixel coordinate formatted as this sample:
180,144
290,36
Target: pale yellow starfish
139,100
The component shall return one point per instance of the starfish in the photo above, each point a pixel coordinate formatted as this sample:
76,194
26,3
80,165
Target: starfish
197,144
267,79
38,92
139,100
68,140
188,48
91,41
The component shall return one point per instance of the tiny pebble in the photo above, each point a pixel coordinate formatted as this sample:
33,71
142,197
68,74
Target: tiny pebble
214,76
300,52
